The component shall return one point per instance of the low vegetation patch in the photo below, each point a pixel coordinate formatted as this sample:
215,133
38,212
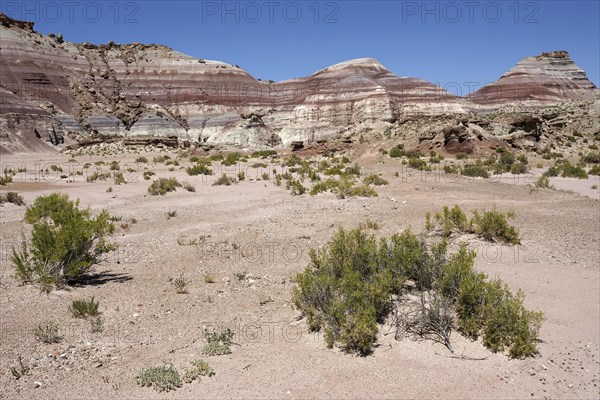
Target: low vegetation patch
84,308
162,379
199,169
217,343
224,180
47,332
491,225
356,281
162,186
12,197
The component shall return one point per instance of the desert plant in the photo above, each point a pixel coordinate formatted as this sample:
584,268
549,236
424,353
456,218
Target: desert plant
518,168
199,368
296,187
142,159
493,225
450,169
591,158
12,197
97,324
217,343
20,371
162,186
461,156
397,151
47,332
263,153
119,178
452,219
573,171
171,214
374,180
345,289
5,179
66,241
148,174
419,164
162,379
199,169
84,308
474,170
224,180
189,187
543,182
181,284
209,278
241,175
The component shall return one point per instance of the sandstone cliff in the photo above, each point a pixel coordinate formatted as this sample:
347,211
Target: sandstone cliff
55,93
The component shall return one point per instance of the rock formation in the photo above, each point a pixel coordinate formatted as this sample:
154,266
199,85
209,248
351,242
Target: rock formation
54,93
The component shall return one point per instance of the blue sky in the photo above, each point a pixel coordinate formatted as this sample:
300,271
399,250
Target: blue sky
457,44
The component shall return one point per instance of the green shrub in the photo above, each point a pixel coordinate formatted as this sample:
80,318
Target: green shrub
345,290
148,174
162,186
591,158
5,179
296,187
328,185
450,169
231,159
543,182
493,226
241,176
12,197
199,368
374,180
224,180
452,219
180,283
573,171
217,343
47,332
162,379
475,170
264,153
490,225
114,166
362,191
414,154
188,186
518,168
595,170
143,160
84,308
523,159
397,151
509,325
506,158
119,178
98,176
199,169
461,156
419,164
160,159
66,242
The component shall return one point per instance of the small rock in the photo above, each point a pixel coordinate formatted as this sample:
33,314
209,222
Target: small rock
37,384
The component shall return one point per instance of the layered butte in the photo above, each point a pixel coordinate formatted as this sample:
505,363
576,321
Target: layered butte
54,92
547,79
